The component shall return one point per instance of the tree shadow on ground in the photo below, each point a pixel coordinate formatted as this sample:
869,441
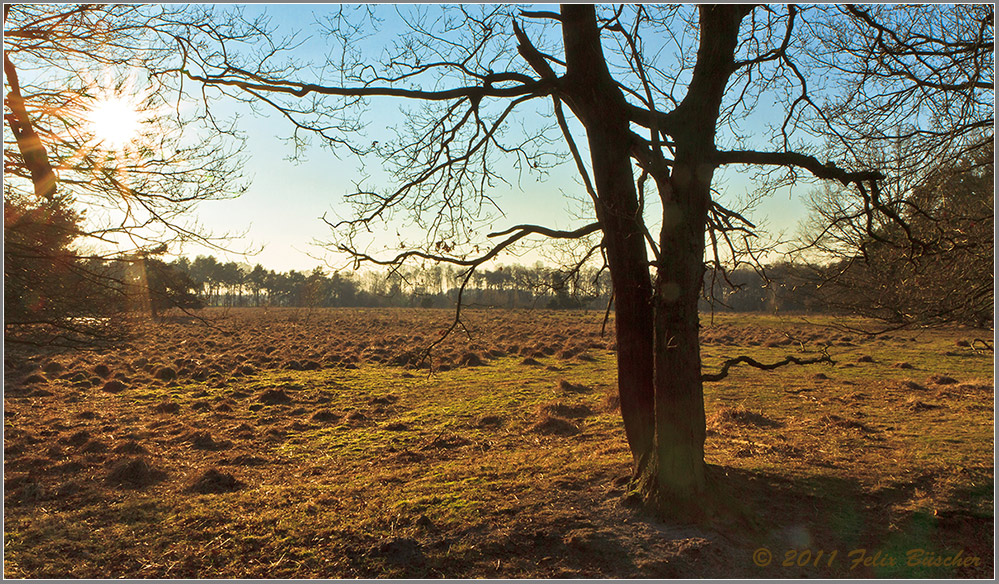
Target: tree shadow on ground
802,523
819,526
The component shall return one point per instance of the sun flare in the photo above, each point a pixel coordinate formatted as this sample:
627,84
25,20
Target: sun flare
114,122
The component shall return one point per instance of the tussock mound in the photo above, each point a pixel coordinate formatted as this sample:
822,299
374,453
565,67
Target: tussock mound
244,430
554,426
204,441
114,386
399,551
94,447
410,359
909,385
274,396
489,422
75,377
471,360
130,447
840,422
53,368
940,380
133,473
573,387
974,385
167,407
570,352
324,416
356,417
238,371
77,439
213,481
561,410
914,405
742,417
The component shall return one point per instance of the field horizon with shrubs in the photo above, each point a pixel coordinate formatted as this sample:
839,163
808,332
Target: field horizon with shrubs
298,443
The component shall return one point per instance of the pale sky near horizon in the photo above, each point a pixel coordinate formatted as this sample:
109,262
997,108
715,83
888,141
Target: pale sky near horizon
281,210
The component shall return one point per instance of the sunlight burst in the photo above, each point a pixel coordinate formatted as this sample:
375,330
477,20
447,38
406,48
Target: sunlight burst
114,122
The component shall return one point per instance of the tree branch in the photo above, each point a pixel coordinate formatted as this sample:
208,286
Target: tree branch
33,152
299,89
754,363
530,53
794,159
521,232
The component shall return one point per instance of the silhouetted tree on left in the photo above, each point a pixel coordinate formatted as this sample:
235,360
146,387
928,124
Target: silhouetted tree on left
60,62
43,278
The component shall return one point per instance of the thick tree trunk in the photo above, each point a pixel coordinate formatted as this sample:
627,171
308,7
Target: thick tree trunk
673,481
598,103
659,364
633,310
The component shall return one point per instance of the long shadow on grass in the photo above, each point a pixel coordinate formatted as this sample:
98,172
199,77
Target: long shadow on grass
796,520
819,526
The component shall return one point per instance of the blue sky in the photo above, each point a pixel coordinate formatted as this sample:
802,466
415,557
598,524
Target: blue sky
282,207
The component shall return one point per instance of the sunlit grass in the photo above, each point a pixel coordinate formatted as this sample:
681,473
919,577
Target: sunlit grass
418,475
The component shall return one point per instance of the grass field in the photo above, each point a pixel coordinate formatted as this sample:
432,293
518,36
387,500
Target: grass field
300,444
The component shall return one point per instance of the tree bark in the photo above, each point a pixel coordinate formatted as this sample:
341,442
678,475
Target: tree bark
598,103
659,363
675,479
33,152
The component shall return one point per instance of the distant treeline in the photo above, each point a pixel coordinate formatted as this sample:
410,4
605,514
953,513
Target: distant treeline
205,281
48,283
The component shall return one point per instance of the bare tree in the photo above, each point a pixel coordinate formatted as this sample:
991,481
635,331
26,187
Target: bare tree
62,63
919,100
654,89
938,271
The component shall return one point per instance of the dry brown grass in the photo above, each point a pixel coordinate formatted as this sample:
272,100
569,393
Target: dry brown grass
356,463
